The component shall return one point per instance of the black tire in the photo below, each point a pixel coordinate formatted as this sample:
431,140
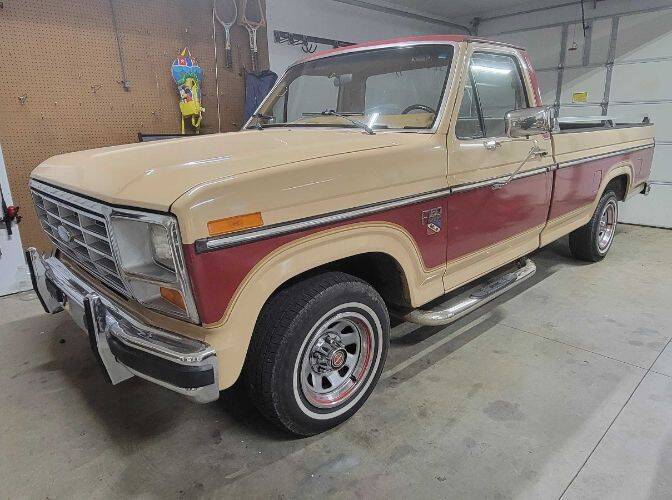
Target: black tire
593,241
311,326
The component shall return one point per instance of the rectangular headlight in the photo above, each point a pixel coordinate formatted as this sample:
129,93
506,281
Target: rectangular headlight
160,246
151,260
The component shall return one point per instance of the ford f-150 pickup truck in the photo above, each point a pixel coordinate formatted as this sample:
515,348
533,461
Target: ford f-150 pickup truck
372,181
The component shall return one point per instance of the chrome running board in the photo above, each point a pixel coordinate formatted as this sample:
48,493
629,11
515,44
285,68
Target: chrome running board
480,295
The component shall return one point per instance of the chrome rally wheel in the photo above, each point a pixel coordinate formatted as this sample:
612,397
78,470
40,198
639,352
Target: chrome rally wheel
607,226
593,241
337,359
317,351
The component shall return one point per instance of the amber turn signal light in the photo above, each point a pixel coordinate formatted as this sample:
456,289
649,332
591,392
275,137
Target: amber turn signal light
174,297
237,223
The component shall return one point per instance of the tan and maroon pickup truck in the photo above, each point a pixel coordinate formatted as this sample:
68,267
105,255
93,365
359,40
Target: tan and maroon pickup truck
373,180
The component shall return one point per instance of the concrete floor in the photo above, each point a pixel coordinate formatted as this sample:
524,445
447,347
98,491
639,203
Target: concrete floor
561,388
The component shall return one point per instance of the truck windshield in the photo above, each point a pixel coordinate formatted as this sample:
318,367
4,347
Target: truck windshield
387,88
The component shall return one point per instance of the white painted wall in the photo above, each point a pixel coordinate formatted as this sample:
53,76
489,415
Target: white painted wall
642,69
330,19
13,269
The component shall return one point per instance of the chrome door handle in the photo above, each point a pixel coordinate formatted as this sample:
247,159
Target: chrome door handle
492,144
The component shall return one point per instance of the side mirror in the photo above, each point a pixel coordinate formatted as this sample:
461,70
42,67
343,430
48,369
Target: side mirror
529,121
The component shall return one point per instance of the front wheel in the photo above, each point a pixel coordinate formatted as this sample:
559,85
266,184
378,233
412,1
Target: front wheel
318,350
592,241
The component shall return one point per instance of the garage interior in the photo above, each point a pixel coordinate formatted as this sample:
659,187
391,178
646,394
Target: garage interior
560,388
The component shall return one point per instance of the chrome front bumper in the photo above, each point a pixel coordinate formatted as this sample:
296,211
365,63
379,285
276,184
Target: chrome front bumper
124,345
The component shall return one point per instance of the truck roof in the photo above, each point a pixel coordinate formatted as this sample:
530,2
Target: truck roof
407,40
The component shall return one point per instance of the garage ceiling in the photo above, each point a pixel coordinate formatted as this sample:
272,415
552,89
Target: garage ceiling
459,8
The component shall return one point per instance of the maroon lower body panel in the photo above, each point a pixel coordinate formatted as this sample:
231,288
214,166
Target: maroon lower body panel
578,185
482,217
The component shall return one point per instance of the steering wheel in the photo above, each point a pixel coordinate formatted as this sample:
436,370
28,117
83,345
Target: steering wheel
420,107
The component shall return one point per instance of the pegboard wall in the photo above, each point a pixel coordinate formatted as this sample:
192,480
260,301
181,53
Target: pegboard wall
62,79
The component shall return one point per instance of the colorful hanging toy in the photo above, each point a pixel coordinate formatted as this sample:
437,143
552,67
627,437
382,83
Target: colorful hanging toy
188,75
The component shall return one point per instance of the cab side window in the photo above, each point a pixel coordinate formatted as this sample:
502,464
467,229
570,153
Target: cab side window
468,121
495,87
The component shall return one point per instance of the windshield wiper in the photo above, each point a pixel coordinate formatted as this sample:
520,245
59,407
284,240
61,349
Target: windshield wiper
345,116
259,117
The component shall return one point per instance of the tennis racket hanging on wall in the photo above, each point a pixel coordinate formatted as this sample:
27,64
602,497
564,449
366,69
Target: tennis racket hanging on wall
226,13
252,19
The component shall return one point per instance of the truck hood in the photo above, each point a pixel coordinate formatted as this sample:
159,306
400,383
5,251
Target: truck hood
153,175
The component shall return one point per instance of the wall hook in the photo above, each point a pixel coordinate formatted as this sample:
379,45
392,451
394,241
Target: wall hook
306,40
308,48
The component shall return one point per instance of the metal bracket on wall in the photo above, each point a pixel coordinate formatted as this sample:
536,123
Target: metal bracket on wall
308,43
475,23
611,58
124,80
561,68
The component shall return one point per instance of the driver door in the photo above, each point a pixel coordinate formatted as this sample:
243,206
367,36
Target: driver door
490,225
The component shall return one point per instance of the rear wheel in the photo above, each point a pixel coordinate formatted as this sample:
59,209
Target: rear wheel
317,352
592,241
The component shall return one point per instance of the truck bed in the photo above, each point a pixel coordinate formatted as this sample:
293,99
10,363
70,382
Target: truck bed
574,141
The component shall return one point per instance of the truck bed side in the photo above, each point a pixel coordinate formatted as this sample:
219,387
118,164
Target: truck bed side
587,160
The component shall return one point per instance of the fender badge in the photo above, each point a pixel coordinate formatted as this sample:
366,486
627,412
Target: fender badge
433,219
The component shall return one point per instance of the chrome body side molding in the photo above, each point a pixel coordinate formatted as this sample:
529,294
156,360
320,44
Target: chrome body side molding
460,188
220,242
243,237
587,159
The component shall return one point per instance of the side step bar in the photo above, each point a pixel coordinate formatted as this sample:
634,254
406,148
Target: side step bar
480,295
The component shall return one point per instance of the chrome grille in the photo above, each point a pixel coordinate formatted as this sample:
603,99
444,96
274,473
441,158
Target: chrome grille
78,227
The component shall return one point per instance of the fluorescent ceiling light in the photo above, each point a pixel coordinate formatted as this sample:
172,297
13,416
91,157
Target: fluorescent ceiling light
488,69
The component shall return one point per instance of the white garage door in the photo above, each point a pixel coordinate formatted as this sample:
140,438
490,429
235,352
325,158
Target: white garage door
641,86
637,85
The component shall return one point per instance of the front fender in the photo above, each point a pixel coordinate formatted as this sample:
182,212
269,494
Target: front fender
230,336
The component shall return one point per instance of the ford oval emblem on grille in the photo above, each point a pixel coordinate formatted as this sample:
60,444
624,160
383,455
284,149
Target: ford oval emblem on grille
64,234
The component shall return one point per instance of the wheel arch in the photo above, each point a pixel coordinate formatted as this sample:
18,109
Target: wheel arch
366,250
379,269
620,179
620,184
